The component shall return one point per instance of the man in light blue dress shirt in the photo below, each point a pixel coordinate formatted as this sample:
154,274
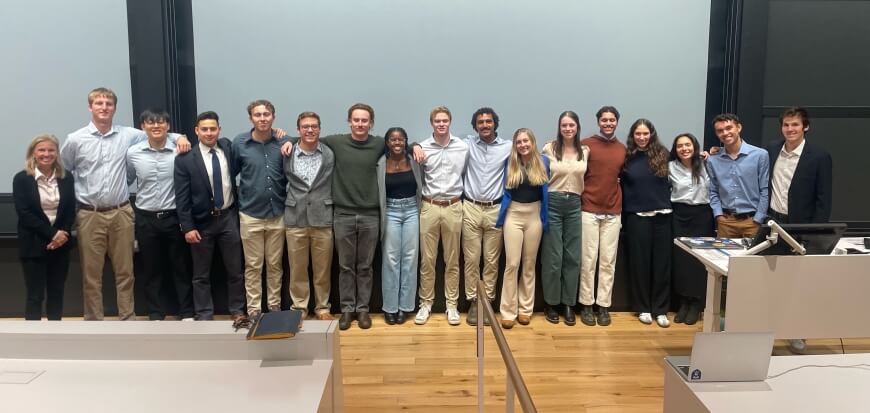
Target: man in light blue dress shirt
97,157
162,248
738,181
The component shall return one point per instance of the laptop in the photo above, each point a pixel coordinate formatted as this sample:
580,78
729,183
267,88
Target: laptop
726,357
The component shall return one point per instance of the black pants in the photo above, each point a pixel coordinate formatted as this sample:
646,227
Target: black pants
44,278
163,250
690,276
649,247
219,232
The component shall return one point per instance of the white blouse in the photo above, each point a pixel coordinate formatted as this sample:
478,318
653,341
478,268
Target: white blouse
684,189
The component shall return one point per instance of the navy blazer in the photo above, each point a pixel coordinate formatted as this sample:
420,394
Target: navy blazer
194,200
34,229
810,193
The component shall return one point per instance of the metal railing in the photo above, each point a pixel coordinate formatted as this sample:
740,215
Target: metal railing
514,380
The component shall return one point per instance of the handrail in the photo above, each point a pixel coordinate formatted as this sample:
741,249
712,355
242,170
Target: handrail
515,379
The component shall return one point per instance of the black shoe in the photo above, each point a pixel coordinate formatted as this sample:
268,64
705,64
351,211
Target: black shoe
551,314
400,317
345,320
587,316
694,312
390,318
684,310
364,321
603,316
569,316
471,318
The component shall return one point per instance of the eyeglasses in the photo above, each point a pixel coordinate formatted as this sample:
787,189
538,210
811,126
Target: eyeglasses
309,127
155,122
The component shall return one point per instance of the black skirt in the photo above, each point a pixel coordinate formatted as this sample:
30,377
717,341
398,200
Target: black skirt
689,275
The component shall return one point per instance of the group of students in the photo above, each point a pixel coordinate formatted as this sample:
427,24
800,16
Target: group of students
252,196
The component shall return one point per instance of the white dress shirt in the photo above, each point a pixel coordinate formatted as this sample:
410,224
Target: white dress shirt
442,172
225,171
684,189
783,172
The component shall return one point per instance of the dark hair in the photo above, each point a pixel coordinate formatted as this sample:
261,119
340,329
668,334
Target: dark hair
560,140
364,107
261,102
153,115
726,117
657,154
606,109
796,111
697,162
304,115
485,111
387,139
207,115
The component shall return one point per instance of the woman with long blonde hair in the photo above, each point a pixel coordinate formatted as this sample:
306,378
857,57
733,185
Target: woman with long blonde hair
46,206
523,217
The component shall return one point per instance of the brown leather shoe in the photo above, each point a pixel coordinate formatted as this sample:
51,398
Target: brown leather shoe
325,317
507,324
524,319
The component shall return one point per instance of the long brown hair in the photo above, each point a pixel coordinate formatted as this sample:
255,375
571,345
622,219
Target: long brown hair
534,170
30,159
657,154
560,140
695,160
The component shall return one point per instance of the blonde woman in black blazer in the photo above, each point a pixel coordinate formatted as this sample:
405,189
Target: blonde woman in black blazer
45,203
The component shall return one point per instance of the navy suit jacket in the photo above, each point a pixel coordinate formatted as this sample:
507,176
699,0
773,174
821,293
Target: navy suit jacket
810,193
34,229
194,200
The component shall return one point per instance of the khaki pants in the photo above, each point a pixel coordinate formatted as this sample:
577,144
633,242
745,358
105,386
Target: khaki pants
262,239
442,223
522,236
316,241
600,243
727,226
100,233
478,223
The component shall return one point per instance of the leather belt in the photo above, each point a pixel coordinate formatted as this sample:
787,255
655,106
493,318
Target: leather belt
157,214
442,202
485,203
83,205
742,215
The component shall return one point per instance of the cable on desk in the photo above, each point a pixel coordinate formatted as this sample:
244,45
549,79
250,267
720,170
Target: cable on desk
848,366
842,346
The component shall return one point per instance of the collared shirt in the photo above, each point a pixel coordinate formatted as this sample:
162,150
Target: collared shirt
307,164
153,170
740,184
684,189
262,184
566,175
99,163
442,172
484,171
227,185
49,196
783,172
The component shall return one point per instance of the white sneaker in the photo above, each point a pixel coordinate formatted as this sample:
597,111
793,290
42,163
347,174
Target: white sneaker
453,316
422,315
645,318
662,321
797,346
187,319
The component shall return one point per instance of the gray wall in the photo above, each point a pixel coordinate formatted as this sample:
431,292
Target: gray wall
528,60
54,53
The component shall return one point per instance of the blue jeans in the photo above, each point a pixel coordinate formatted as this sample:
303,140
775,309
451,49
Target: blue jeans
400,251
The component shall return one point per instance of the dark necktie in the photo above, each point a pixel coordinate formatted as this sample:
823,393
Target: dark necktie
217,183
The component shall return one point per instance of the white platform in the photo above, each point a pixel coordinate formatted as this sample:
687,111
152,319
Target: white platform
167,366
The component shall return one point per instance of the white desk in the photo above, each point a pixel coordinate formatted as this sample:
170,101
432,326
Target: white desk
809,389
142,366
813,296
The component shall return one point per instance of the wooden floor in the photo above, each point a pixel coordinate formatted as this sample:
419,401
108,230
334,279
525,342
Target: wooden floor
433,368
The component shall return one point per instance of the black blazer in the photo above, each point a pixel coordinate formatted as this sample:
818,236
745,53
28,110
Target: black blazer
34,229
194,200
810,192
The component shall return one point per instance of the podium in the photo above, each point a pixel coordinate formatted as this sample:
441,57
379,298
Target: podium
810,296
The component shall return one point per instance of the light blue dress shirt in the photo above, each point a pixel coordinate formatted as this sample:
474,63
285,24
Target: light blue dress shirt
740,184
484,171
153,171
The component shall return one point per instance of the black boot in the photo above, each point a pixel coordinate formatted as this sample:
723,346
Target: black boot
569,315
587,316
345,320
684,310
471,318
551,314
603,316
696,306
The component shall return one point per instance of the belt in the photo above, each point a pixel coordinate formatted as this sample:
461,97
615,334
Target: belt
83,205
742,215
485,203
156,214
218,212
566,193
779,217
442,202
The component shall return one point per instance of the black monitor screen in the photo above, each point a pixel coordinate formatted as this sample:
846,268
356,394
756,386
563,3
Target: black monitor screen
818,239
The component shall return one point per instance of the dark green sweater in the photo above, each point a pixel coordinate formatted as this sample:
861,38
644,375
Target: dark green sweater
354,181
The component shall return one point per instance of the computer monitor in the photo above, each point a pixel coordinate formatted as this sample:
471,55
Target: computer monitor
818,239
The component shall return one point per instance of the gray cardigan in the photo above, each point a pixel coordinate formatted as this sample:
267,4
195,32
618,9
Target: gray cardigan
382,187
309,206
